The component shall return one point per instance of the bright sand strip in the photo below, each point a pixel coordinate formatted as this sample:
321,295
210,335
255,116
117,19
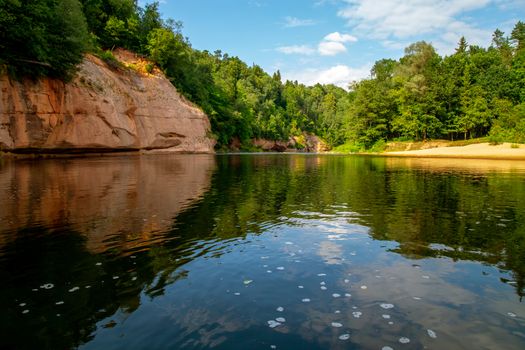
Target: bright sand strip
476,151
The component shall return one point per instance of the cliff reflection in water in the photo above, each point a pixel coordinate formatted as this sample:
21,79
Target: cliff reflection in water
125,229
71,223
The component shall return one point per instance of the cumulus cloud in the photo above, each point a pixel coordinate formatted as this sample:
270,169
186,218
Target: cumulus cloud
292,22
331,45
331,48
340,38
395,20
340,75
296,49
334,43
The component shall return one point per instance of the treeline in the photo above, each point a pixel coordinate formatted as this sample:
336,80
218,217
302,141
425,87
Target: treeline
472,93
475,92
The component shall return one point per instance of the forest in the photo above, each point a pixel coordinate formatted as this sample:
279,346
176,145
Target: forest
475,92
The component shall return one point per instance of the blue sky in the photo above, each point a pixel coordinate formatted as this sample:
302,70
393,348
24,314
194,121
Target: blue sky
335,41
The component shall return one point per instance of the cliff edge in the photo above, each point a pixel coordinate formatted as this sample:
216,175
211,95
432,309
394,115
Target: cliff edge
104,109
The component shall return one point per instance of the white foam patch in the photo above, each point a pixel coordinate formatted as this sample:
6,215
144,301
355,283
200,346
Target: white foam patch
348,295
357,314
347,281
25,311
273,324
280,319
337,311
431,334
511,314
305,300
322,283
386,317
22,304
98,264
59,303
335,295
344,337
289,243
300,287
74,289
269,271
280,309
417,298
280,268
404,340
364,287
323,288
426,277
247,282
116,277
273,347
386,348
237,293
47,286
387,306
337,324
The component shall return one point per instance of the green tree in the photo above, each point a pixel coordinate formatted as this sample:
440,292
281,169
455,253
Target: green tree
42,37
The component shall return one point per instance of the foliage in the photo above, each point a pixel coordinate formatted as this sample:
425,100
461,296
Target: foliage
41,37
474,92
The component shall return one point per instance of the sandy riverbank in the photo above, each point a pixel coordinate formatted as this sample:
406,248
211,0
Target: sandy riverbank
476,151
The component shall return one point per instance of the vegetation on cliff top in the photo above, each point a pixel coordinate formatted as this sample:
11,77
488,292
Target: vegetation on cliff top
474,92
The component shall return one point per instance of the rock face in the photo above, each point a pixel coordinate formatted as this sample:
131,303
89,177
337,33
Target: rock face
103,109
304,143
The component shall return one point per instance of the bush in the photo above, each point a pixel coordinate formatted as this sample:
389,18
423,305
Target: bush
108,57
350,147
378,147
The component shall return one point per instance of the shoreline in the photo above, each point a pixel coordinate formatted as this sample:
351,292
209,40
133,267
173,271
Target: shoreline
504,151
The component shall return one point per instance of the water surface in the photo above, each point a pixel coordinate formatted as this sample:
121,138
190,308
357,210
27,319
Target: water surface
262,252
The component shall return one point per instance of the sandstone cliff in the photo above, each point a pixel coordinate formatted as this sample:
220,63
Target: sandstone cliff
103,109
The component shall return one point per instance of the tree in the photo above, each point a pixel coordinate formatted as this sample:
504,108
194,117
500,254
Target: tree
42,37
518,36
476,113
462,46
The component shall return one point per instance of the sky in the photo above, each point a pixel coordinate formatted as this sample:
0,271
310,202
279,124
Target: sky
335,41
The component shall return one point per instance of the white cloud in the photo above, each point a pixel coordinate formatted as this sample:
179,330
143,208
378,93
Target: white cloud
340,38
340,75
292,22
331,48
332,44
404,18
296,49
396,21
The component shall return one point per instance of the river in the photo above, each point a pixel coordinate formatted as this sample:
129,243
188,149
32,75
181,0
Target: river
262,252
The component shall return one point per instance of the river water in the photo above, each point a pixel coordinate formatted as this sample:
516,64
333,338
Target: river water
262,252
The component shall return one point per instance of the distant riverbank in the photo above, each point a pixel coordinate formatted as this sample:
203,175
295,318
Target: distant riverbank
504,151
